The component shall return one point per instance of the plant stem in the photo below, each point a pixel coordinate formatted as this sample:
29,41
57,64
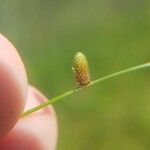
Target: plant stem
59,97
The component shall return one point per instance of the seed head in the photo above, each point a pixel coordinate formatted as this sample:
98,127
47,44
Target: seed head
81,69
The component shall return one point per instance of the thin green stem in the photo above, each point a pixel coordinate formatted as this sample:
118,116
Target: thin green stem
59,97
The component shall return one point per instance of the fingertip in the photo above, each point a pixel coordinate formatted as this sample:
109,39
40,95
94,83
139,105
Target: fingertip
39,129
43,123
13,87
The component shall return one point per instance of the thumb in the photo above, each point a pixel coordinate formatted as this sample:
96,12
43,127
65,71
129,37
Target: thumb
13,86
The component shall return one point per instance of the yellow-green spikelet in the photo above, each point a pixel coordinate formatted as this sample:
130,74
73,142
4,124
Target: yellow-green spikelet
81,69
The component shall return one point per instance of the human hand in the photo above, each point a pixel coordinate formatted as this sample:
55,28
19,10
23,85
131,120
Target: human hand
37,131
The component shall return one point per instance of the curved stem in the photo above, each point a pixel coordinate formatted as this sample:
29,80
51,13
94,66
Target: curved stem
61,96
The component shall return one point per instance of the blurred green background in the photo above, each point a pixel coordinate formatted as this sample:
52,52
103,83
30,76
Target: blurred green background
114,34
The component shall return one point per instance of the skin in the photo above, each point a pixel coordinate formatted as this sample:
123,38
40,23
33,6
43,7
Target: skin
37,131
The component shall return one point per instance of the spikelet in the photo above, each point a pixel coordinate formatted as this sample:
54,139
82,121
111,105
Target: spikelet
81,69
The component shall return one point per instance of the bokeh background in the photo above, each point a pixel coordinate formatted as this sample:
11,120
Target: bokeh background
114,34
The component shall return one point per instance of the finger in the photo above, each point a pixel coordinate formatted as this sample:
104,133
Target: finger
37,131
13,86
